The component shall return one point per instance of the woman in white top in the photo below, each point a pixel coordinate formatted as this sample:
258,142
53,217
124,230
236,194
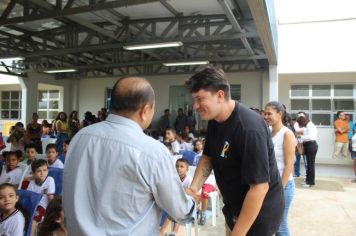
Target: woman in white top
309,138
284,149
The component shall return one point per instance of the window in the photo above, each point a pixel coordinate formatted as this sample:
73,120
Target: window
235,92
343,90
321,90
48,104
300,90
11,105
321,102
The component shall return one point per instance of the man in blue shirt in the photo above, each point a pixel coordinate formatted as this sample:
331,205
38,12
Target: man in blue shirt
116,178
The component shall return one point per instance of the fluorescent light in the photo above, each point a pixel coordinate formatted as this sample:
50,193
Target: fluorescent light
186,63
12,58
59,71
153,45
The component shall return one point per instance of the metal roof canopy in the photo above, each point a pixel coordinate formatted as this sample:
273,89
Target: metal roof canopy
88,35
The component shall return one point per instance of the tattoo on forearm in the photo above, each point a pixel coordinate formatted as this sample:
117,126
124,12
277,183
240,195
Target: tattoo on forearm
206,171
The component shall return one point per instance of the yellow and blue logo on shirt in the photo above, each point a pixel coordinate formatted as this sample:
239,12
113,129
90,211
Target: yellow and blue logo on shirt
225,149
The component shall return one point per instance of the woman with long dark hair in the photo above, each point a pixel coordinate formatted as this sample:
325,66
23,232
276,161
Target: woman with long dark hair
309,138
284,148
73,124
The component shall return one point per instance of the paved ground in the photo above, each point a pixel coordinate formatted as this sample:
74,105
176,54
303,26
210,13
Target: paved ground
328,209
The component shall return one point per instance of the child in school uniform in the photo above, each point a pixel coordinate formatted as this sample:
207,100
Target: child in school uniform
62,156
182,167
12,220
31,154
198,149
52,159
53,221
183,144
171,138
42,184
11,172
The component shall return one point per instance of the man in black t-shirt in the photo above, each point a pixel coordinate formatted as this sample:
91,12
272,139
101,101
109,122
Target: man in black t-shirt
239,149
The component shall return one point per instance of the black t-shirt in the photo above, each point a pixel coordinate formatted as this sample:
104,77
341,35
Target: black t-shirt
242,153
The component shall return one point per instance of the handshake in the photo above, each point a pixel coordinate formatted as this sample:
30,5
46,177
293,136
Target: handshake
194,194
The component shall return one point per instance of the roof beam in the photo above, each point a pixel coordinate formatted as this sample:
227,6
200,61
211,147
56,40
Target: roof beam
8,9
76,19
170,8
53,13
103,47
152,62
237,27
266,24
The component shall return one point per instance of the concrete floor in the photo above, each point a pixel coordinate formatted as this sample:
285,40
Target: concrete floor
328,209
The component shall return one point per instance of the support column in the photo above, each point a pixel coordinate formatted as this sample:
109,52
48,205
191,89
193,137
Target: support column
273,83
264,88
29,98
75,95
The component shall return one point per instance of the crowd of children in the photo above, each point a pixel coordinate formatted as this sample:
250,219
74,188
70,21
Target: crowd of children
178,144
18,171
30,173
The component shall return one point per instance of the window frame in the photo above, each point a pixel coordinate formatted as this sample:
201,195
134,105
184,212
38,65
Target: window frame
48,99
9,101
331,113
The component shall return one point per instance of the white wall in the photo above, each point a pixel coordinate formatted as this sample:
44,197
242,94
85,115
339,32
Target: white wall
326,135
316,36
92,91
317,47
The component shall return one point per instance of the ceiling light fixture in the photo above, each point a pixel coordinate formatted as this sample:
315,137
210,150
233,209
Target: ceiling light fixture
153,45
186,63
59,71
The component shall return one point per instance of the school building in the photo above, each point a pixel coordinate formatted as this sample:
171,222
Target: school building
267,50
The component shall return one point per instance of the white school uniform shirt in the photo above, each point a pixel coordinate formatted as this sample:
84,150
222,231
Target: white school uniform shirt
11,177
27,171
186,181
13,225
47,187
56,164
186,146
175,146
